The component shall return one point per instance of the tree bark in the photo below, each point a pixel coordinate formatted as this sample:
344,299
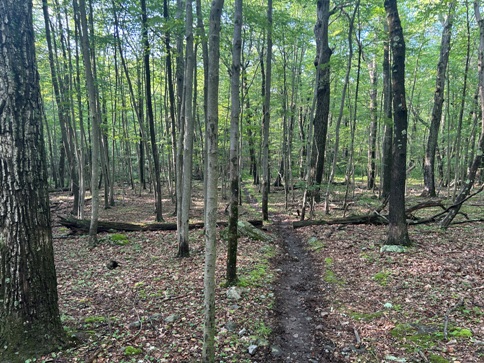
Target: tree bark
386,183
184,208
397,231
429,162
95,114
149,112
479,157
208,350
373,125
29,316
267,117
323,93
234,146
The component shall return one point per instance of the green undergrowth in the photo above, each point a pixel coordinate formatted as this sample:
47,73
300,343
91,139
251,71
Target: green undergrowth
415,337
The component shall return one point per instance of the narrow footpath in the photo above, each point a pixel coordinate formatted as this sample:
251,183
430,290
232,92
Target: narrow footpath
299,332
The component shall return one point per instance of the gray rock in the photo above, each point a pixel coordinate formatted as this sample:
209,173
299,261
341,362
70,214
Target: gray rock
172,318
242,332
231,326
252,349
276,351
234,293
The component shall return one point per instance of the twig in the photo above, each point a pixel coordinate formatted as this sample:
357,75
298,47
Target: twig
423,356
357,336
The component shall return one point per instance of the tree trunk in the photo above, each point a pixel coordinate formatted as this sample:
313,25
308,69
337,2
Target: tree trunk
479,156
267,118
29,315
208,352
95,117
184,208
373,125
429,163
149,112
322,94
234,146
397,231
386,183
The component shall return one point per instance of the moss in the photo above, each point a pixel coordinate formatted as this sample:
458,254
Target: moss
461,333
94,319
315,244
119,239
382,278
435,358
130,350
365,316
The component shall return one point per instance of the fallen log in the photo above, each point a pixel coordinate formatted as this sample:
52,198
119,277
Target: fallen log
372,218
81,226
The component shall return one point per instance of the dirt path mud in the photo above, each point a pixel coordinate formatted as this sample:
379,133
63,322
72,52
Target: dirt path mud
299,332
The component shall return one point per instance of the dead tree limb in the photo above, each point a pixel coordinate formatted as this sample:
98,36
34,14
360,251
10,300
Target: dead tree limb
81,226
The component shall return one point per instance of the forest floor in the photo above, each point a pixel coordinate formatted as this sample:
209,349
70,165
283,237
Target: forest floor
314,294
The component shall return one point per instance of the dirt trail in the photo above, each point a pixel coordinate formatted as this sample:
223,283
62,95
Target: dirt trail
299,332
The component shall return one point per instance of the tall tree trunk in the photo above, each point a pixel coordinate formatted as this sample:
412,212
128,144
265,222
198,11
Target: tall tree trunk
479,156
63,113
234,146
208,353
149,112
397,231
184,208
171,89
322,94
95,118
267,118
29,315
429,163
373,125
387,119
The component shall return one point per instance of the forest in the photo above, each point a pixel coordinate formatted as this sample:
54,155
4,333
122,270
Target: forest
246,181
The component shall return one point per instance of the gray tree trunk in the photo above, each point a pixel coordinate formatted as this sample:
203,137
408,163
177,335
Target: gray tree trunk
267,118
184,209
29,316
234,146
95,115
479,157
208,353
429,162
397,231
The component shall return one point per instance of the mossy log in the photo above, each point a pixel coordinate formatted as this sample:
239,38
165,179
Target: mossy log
81,226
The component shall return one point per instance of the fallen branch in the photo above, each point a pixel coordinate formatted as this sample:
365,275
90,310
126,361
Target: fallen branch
81,226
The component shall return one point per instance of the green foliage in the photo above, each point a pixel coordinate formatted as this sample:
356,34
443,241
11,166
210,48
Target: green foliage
382,277
460,333
366,316
315,244
435,358
130,350
94,319
119,239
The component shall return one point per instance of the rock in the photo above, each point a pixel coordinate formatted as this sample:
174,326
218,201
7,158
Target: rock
242,332
393,248
234,293
231,326
155,317
172,318
135,325
276,351
252,349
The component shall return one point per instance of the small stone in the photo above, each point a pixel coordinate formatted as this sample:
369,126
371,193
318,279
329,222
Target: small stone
172,318
242,332
155,317
252,349
234,293
276,351
231,326
135,325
